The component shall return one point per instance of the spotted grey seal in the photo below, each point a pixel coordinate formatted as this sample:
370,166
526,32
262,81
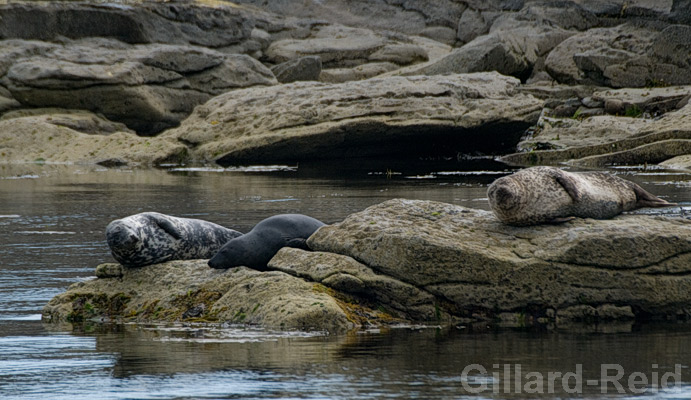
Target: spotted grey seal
550,195
258,246
150,238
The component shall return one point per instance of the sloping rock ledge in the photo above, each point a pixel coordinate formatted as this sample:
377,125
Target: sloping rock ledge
405,261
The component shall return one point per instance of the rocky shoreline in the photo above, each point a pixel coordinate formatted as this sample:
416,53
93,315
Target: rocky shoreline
585,82
416,262
589,84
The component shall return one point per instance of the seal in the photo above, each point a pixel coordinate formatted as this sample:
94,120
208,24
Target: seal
540,195
255,248
150,238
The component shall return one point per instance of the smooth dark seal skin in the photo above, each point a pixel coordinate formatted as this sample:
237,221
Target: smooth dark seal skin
550,195
258,246
151,238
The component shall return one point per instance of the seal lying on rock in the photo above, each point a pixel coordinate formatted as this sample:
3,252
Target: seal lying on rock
259,245
150,238
549,195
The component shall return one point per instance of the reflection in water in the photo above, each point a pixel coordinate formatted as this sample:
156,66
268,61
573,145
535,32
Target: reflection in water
179,362
52,222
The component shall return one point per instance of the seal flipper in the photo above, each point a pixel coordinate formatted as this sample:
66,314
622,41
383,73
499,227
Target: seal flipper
647,199
167,226
297,243
560,220
568,184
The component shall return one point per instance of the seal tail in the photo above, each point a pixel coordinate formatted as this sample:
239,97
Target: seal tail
647,199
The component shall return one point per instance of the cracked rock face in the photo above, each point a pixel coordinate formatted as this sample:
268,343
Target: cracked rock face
148,87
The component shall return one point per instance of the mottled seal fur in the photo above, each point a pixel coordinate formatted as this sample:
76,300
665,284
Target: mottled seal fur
550,195
150,238
258,246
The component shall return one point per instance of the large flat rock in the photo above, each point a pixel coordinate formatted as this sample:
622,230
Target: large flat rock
483,268
379,116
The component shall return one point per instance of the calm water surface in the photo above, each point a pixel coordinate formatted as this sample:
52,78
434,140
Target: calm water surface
52,221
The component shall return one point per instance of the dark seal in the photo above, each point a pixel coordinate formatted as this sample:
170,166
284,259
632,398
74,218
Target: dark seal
550,195
259,245
150,238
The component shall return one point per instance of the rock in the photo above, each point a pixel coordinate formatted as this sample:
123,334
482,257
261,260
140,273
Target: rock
682,162
364,71
441,34
474,23
551,91
599,141
681,12
346,275
407,16
615,106
585,112
401,54
166,292
146,87
7,102
564,111
77,120
336,46
109,270
401,115
594,131
44,138
594,49
483,268
628,55
654,101
435,52
146,22
513,47
343,47
666,62
591,102
299,69
586,313
646,154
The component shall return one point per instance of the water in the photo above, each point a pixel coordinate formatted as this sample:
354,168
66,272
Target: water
52,221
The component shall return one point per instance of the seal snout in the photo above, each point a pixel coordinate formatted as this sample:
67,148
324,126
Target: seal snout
503,196
216,262
120,236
